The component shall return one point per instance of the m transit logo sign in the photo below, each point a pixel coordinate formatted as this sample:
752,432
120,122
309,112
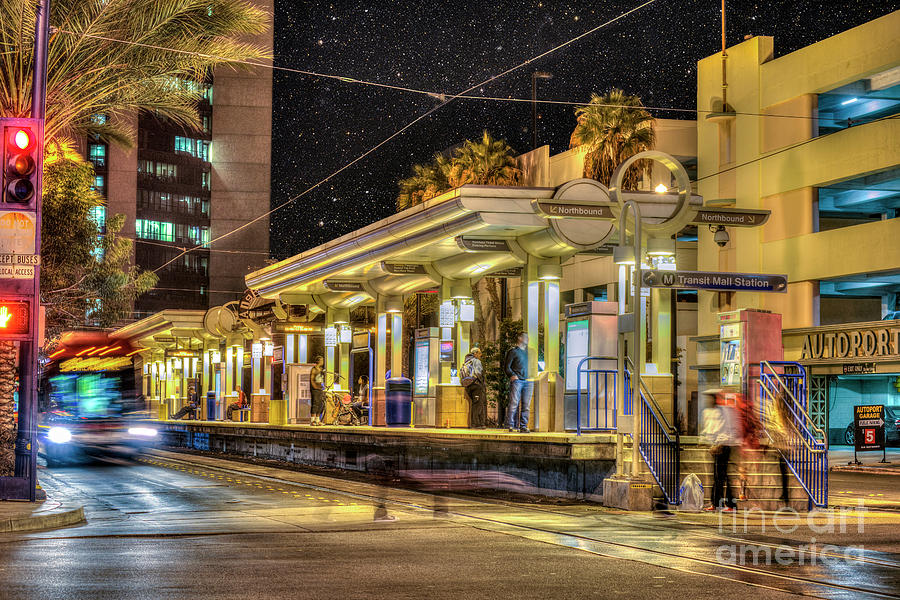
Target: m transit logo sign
710,280
868,422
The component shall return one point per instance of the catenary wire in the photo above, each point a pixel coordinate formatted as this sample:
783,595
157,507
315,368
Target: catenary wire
441,96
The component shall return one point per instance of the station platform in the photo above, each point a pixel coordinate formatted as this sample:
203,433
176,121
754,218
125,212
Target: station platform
548,464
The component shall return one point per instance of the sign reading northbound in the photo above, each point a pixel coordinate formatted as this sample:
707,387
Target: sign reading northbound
712,280
732,217
558,210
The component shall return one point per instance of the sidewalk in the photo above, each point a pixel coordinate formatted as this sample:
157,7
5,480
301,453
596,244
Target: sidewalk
32,516
840,456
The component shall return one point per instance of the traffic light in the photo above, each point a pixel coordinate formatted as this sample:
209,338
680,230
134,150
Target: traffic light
22,161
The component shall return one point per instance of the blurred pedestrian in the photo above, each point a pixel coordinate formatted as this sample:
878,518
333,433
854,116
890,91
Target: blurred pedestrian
720,432
779,426
515,365
472,379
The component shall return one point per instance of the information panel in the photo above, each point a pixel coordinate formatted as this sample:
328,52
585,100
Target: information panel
420,379
577,346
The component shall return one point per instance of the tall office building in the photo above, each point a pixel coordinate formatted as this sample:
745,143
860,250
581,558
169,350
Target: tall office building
182,188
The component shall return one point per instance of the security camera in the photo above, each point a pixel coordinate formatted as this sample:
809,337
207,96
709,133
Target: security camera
721,236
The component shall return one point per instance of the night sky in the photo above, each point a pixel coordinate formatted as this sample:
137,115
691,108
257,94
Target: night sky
319,124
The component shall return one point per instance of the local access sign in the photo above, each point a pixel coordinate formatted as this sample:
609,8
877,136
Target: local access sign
716,281
868,425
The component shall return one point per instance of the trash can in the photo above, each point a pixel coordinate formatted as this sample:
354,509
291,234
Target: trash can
398,402
211,405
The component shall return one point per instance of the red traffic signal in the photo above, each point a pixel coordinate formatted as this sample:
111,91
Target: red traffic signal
15,318
21,159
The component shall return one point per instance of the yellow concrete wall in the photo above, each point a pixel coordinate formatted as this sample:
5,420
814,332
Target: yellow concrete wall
789,122
866,248
838,60
828,159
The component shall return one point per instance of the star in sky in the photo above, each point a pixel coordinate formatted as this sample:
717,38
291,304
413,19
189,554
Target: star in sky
319,125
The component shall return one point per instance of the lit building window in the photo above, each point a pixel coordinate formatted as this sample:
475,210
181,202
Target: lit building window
99,184
97,154
154,230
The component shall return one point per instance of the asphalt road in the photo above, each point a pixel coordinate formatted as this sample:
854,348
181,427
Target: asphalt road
169,529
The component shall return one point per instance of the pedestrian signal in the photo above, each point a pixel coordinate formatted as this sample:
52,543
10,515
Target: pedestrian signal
14,318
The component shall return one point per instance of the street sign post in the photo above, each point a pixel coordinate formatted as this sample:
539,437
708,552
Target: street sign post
868,430
716,281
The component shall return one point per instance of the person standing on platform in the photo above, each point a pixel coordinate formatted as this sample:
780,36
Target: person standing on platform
240,402
515,366
317,390
472,379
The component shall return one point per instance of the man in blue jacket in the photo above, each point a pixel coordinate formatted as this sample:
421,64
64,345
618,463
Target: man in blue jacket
520,389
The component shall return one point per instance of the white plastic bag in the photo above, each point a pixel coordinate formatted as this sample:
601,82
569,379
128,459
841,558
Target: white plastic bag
691,494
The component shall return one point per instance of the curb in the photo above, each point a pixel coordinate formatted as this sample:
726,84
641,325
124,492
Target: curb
873,470
53,520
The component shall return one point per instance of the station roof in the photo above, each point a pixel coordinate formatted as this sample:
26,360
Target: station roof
465,233
161,330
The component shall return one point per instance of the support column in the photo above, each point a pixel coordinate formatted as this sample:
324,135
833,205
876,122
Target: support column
396,344
531,298
551,418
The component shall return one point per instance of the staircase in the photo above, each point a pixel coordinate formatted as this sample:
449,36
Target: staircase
763,477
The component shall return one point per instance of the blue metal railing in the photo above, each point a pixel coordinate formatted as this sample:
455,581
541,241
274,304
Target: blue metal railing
802,445
600,385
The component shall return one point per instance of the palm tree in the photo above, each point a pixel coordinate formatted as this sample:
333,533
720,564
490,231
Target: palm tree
117,57
488,161
427,181
614,127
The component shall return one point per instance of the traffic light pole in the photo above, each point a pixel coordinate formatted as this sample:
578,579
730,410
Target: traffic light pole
26,439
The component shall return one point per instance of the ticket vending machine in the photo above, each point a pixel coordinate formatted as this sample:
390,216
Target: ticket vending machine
298,392
747,337
426,372
591,331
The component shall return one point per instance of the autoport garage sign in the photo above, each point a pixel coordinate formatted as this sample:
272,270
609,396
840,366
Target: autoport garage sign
868,425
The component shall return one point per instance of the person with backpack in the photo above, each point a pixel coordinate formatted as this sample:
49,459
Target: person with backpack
472,379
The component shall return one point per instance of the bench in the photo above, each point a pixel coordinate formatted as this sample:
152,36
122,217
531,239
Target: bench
243,414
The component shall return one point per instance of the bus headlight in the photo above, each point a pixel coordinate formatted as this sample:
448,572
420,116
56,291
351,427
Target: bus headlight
59,435
142,432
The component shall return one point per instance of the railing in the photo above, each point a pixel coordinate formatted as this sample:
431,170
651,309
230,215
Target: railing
660,445
802,444
593,379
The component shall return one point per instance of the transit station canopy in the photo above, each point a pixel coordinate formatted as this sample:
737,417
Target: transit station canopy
465,233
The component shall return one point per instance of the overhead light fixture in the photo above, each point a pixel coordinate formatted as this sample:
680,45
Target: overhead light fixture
549,272
460,290
661,247
661,189
623,255
850,101
394,304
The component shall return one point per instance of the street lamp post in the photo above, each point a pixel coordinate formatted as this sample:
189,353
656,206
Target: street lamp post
534,77
623,255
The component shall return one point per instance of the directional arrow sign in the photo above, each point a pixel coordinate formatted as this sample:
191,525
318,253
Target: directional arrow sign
712,280
559,210
732,217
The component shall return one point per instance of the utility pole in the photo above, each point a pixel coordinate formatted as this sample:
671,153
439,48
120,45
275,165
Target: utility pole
26,438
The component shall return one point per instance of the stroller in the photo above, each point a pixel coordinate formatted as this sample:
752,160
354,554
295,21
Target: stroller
345,413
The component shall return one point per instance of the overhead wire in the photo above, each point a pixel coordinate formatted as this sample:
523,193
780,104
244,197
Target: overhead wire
408,126
441,96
